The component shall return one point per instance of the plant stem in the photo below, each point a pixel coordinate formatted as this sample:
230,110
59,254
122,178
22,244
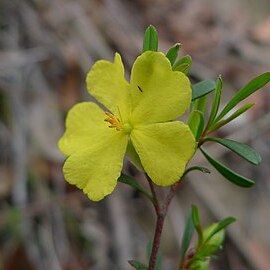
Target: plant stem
161,213
169,197
156,242
153,191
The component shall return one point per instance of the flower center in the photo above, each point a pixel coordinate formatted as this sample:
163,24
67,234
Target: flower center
116,123
127,128
113,121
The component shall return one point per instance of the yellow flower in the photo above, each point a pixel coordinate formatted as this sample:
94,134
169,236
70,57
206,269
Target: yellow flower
140,112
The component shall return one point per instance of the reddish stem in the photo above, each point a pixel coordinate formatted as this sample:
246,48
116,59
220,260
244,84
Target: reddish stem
161,213
153,191
156,242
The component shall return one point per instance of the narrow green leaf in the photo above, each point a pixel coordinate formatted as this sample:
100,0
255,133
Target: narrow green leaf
133,183
254,85
200,104
220,226
173,53
196,223
195,216
196,168
184,68
237,113
240,149
150,41
228,173
216,101
202,88
185,60
138,265
196,123
187,236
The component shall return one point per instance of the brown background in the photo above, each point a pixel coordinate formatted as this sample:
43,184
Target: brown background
46,48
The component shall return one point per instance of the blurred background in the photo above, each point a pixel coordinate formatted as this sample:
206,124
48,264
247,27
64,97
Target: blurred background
46,49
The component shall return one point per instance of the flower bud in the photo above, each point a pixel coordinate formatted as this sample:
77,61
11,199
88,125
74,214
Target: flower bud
200,265
214,243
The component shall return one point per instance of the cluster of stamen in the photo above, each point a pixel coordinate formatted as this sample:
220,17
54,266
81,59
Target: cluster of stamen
113,121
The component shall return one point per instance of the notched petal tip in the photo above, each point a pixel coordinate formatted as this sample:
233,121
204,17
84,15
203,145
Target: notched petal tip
165,95
106,82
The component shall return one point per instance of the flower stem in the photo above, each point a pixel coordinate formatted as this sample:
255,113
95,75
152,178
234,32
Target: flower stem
153,191
161,212
156,242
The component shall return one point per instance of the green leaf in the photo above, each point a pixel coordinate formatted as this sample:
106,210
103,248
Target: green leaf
200,104
254,85
173,53
183,64
240,149
138,265
216,101
207,250
196,123
187,236
213,237
202,88
133,183
184,68
237,113
150,41
195,216
196,168
196,223
228,173
220,226
199,264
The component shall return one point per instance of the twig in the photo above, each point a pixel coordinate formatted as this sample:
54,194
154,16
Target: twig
153,191
170,197
156,242
161,212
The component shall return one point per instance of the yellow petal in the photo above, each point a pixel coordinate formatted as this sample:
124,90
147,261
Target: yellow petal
164,150
106,82
96,169
158,93
85,127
